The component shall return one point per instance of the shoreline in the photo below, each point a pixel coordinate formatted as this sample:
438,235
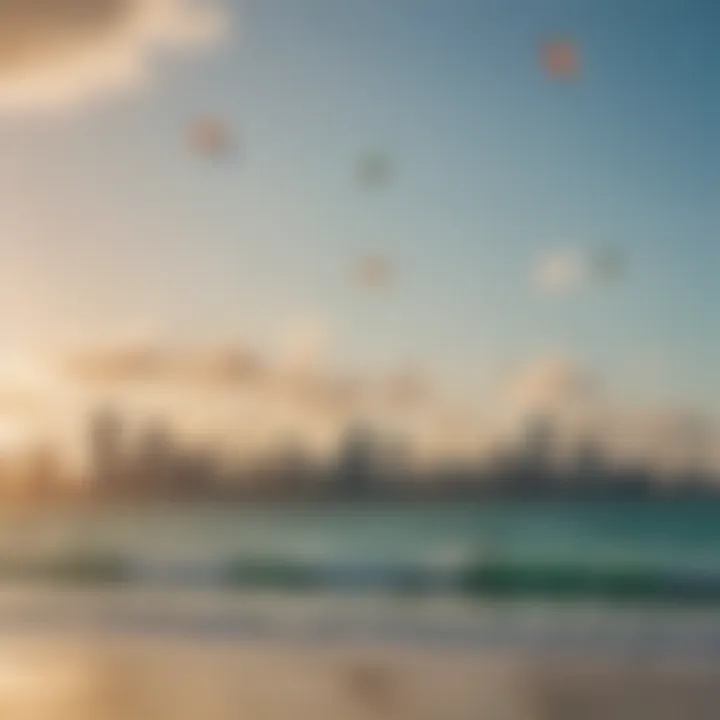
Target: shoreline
329,622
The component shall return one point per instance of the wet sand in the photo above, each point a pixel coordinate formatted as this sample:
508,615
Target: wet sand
120,678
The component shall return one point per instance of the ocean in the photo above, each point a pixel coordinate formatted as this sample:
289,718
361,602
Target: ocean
523,611
645,550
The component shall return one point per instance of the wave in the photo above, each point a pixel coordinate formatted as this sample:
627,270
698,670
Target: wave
489,579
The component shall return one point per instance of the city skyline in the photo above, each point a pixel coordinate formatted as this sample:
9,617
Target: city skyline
149,463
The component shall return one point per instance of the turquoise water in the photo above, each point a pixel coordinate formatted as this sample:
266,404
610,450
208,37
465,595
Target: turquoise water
640,550
680,532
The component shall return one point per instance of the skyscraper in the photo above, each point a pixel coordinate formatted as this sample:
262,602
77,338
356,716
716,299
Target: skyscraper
156,462
356,462
106,452
537,454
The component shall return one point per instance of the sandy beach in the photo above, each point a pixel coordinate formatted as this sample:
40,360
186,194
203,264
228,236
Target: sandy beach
173,656
94,677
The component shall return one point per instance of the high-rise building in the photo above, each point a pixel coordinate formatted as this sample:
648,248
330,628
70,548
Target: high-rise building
537,454
356,466
42,473
156,462
107,461
590,467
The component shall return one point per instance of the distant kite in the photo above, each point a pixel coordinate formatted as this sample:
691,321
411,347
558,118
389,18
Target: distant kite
211,138
373,273
374,170
561,59
608,265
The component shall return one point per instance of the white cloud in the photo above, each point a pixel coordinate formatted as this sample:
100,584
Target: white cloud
561,272
550,385
58,53
305,345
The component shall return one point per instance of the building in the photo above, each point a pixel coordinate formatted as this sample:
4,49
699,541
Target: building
156,463
536,462
356,463
107,459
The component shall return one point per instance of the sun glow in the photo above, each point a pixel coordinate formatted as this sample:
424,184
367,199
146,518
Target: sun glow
13,436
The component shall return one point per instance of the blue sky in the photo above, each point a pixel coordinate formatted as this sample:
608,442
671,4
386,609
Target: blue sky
109,222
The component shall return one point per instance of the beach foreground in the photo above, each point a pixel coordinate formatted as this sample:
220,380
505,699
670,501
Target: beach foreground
100,677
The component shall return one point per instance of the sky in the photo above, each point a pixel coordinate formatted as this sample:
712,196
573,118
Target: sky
504,188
